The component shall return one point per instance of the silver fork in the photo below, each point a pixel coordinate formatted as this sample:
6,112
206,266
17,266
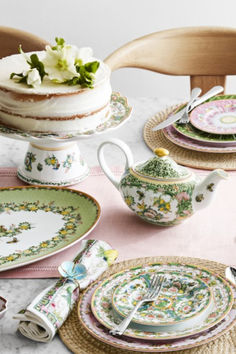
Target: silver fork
151,295
194,94
197,101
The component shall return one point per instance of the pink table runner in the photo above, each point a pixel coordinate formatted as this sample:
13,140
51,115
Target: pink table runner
210,233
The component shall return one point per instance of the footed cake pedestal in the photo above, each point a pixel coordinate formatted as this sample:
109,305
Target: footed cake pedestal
58,164
55,159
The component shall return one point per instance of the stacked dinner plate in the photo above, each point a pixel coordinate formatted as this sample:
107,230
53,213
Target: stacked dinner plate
194,306
211,127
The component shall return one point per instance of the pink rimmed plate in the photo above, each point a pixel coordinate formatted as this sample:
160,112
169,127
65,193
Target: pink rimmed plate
215,117
102,309
181,140
191,132
101,333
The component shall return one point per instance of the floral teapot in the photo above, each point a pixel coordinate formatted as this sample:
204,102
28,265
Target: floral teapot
159,190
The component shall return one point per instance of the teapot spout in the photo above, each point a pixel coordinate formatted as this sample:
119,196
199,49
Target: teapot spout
205,190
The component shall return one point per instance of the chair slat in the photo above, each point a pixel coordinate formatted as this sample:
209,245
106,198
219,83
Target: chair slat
206,54
11,38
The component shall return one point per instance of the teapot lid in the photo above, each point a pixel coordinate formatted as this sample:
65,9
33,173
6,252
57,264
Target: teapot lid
161,167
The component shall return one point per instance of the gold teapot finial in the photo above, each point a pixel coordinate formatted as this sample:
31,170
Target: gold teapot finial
160,152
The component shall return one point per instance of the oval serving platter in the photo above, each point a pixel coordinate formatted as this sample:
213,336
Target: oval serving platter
37,222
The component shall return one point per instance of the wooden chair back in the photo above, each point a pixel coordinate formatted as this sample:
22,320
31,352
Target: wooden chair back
11,38
206,54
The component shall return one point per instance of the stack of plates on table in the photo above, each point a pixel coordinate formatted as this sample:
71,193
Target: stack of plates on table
211,127
194,307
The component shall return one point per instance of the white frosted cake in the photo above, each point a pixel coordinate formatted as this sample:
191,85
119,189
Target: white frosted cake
53,103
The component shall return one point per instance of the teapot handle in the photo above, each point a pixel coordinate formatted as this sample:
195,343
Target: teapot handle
128,155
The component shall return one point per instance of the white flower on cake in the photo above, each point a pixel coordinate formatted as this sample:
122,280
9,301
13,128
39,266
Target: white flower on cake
85,54
33,78
61,64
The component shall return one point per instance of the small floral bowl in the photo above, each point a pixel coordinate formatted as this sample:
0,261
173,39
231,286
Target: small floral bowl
3,306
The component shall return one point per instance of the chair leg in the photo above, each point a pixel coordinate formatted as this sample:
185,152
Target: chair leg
207,82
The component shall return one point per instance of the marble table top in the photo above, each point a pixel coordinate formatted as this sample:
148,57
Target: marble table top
20,292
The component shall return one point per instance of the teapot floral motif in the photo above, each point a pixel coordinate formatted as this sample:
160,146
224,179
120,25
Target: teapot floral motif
159,190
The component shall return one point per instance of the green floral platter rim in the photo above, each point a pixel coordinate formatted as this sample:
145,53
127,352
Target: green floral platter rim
101,303
37,222
181,299
120,111
190,131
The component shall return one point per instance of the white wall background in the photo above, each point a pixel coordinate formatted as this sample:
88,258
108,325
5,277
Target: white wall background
105,25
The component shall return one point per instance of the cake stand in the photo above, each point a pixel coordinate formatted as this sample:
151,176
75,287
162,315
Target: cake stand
55,159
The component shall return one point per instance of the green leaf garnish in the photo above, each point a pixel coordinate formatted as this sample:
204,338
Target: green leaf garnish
92,66
20,79
60,43
86,72
35,63
78,62
72,82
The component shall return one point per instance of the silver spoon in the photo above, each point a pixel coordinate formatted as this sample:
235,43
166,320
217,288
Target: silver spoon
230,273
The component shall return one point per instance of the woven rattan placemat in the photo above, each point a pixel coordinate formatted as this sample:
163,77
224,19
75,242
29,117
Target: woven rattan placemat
202,160
79,341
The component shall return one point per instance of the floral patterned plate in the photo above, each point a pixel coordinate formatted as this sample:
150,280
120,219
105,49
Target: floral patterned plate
216,117
181,298
37,222
98,331
102,309
188,143
190,131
